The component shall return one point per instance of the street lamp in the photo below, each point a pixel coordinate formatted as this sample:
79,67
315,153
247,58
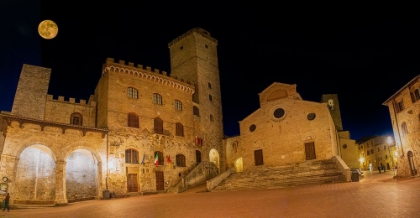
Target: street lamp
361,160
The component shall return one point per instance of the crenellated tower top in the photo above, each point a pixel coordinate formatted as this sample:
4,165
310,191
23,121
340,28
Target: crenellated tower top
147,73
198,31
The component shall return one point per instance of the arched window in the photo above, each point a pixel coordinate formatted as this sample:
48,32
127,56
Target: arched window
76,119
158,125
404,128
196,111
133,120
178,105
180,160
132,92
157,99
179,129
131,156
211,117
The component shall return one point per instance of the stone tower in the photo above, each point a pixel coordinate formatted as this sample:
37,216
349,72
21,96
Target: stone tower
31,93
334,106
193,57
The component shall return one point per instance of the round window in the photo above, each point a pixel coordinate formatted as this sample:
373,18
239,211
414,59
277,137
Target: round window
252,127
311,116
344,146
278,113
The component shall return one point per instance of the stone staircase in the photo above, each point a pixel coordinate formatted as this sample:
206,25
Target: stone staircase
304,173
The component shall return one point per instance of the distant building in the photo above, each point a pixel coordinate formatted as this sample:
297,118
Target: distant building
377,151
404,109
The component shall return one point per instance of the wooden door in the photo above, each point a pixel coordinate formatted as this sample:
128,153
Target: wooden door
310,151
132,184
258,156
160,181
198,156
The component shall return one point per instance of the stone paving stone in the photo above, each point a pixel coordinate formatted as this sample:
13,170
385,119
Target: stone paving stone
374,196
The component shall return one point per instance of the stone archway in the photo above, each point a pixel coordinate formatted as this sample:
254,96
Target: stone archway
81,176
239,165
214,157
35,179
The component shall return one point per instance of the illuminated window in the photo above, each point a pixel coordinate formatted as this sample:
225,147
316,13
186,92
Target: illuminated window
157,99
178,105
132,92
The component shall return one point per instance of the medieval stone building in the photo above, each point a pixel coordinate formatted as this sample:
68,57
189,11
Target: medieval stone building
404,109
144,130
378,151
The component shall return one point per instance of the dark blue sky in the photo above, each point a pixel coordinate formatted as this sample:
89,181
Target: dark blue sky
362,54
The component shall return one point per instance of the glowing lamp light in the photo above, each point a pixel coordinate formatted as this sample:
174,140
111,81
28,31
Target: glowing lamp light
389,140
362,159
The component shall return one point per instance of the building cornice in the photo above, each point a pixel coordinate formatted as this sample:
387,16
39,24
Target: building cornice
21,120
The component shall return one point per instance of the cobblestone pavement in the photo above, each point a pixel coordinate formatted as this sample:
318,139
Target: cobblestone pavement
375,195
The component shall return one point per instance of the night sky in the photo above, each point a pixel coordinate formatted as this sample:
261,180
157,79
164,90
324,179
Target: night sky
362,54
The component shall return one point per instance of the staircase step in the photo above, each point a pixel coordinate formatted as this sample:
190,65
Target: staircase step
305,173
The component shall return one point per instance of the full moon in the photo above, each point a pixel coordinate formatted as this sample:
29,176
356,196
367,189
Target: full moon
47,29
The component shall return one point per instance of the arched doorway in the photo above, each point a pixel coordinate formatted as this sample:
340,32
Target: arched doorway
239,167
214,157
81,175
413,170
35,175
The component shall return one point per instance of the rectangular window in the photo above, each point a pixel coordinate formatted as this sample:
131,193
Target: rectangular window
132,92
157,99
179,129
178,105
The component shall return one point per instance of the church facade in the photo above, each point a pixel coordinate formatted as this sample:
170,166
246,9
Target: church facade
287,129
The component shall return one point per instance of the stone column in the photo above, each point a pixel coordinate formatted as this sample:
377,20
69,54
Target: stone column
60,183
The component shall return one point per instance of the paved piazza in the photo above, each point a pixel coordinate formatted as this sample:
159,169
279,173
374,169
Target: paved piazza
375,195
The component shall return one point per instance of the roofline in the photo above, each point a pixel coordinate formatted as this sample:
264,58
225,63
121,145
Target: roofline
402,88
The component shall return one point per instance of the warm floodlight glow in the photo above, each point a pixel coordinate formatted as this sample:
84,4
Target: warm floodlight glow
389,139
362,159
